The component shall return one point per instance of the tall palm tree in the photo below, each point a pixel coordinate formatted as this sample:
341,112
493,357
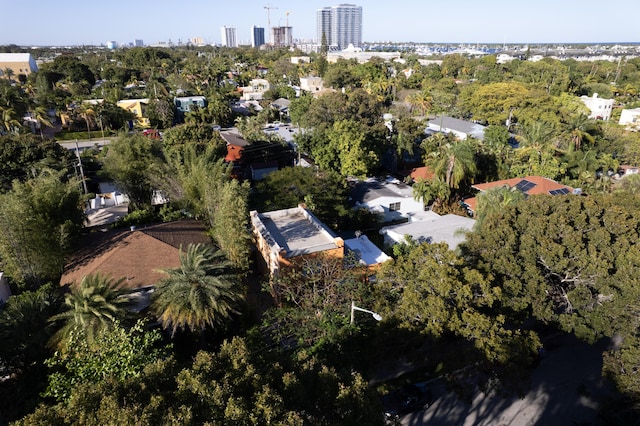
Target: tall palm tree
200,293
454,162
88,115
421,99
93,306
41,116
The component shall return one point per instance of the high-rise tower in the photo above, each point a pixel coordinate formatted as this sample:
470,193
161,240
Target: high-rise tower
341,25
229,36
257,36
324,25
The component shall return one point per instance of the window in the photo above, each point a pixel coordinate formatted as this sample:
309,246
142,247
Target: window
393,207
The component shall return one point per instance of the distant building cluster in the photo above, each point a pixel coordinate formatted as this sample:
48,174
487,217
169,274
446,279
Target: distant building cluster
340,25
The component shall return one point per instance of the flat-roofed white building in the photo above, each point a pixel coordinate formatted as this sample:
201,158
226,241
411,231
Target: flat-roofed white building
600,108
366,252
311,84
630,118
433,228
285,237
256,88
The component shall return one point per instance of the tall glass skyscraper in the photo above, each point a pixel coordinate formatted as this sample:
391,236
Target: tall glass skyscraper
257,36
341,25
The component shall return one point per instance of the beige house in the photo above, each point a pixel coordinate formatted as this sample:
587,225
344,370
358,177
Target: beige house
255,90
311,84
18,63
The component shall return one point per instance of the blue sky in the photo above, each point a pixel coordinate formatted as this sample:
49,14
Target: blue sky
72,22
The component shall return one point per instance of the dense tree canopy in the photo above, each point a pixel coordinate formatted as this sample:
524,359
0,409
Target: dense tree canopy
129,161
40,219
567,260
25,156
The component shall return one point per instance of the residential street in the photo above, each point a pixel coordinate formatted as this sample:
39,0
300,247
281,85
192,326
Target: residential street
566,389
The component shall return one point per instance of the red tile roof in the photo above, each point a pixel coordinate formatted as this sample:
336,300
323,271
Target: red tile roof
421,173
541,185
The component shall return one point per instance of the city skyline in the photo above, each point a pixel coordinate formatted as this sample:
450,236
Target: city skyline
496,21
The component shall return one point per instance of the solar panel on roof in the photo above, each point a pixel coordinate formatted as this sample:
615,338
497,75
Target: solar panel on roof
559,191
525,185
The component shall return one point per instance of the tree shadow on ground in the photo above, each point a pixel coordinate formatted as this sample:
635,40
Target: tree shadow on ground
565,388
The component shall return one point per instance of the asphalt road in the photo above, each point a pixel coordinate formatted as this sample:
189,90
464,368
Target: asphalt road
565,389
85,144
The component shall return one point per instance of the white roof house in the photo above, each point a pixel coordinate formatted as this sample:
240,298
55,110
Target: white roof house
630,118
367,253
600,108
311,84
390,198
448,229
460,128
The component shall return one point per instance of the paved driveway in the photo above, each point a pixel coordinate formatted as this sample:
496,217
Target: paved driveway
566,389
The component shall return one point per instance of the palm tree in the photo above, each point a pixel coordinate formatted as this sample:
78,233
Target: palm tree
41,116
93,306
421,99
454,162
9,73
495,200
9,121
579,134
88,114
200,293
535,136
433,192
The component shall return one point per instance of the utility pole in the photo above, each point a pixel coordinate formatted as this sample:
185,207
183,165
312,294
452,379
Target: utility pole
269,7
84,182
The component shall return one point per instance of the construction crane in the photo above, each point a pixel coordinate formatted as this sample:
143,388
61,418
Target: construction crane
269,7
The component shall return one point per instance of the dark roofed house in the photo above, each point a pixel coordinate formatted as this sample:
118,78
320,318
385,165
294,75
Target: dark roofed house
235,145
248,157
282,106
137,256
390,198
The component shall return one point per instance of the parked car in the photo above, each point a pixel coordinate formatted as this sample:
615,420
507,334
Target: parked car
405,400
